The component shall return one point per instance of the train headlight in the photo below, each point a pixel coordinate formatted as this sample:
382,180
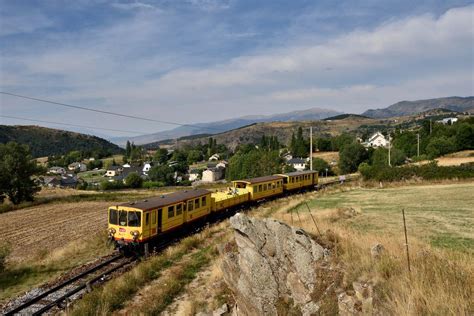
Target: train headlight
135,234
112,231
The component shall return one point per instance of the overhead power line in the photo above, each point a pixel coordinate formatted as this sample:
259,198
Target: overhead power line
105,112
74,125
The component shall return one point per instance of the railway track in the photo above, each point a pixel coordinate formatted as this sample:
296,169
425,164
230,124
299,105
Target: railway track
71,289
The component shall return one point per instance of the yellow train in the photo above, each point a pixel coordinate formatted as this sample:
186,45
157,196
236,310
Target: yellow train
136,223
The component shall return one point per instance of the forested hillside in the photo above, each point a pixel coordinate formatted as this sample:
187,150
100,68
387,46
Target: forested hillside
46,141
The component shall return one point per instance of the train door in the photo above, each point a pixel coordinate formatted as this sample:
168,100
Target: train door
160,220
146,225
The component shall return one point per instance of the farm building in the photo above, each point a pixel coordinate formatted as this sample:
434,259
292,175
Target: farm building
377,140
56,170
213,174
298,163
77,166
113,171
194,174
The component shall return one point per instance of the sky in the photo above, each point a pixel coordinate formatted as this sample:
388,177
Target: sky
191,61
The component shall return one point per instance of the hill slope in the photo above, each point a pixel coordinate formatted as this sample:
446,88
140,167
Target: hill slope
47,141
459,104
227,125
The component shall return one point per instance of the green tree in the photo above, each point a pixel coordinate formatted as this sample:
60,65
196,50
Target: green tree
16,171
465,136
133,180
161,156
254,163
161,173
439,146
194,156
351,156
338,142
321,165
128,149
380,157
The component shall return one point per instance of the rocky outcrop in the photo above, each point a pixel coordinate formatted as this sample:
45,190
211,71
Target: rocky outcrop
273,268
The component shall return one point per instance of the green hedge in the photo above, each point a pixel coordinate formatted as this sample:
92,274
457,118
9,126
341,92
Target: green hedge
429,171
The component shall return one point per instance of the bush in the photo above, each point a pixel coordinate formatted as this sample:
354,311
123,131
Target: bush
321,165
133,180
351,156
429,171
115,185
5,250
152,184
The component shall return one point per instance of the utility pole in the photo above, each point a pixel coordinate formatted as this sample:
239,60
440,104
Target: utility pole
311,148
431,129
389,148
418,145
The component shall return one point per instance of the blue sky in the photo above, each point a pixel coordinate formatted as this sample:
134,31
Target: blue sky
203,60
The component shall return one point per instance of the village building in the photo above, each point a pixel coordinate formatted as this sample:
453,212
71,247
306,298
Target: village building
57,170
194,175
214,157
298,163
114,171
448,120
377,140
77,166
146,167
213,174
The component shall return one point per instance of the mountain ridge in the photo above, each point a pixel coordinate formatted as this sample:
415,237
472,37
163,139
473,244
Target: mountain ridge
403,108
227,125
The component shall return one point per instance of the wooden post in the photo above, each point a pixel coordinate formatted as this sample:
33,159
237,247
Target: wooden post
299,219
311,148
314,221
147,253
406,240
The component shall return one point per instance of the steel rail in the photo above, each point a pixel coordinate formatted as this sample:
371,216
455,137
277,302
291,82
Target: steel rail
60,286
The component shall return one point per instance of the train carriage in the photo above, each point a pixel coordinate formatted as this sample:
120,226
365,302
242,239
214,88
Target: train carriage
229,198
261,187
299,180
137,222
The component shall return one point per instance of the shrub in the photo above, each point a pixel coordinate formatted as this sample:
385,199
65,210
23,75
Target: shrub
429,171
152,184
115,185
133,180
5,250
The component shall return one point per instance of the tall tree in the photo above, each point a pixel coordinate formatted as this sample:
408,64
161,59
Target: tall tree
16,171
128,149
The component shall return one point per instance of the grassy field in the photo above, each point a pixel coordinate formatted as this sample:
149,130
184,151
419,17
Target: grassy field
442,215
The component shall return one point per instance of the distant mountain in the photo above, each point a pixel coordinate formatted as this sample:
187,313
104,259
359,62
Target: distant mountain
345,116
227,125
458,104
47,141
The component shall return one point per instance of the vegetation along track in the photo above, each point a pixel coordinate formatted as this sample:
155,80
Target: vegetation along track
71,288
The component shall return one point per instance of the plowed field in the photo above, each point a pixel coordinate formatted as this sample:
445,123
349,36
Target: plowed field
50,226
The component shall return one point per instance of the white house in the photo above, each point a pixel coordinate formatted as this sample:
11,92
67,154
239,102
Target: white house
113,171
222,164
377,140
77,166
212,174
146,167
193,175
214,157
57,170
448,120
298,163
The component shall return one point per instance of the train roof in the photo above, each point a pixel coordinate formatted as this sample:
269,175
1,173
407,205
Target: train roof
260,179
163,200
297,173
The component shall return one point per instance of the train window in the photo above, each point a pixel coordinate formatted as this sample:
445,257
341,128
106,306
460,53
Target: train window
260,188
196,203
179,209
147,219
134,219
123,218
113,217
153,217
190,206
170,211
203,201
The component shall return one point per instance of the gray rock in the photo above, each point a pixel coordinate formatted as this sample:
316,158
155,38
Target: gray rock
272,262
377,250
224,309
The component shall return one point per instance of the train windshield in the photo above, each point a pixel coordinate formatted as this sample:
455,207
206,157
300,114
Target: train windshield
123,218
113,217
134,219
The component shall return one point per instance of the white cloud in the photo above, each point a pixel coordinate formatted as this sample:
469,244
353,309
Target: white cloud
26,22
134,6
127,67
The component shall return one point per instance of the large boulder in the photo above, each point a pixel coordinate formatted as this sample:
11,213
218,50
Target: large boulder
273,268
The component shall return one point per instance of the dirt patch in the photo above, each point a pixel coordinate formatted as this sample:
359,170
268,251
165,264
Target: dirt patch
43,228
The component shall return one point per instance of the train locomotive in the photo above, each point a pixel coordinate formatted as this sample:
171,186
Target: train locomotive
132,225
